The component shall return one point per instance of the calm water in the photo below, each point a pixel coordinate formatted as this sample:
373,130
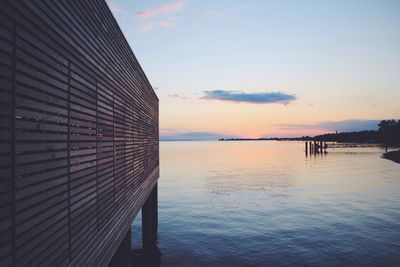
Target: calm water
266,204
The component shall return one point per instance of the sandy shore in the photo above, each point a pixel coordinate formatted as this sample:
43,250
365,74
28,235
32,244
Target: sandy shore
392,155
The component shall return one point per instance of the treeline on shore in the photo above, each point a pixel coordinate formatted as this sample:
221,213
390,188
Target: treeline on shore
349,137
388,133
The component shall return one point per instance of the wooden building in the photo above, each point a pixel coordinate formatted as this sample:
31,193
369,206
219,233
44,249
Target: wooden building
79,151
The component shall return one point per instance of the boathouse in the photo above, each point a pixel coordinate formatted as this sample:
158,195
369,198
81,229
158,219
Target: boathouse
79,152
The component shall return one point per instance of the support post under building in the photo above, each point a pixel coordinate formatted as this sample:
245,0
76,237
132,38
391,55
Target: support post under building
150,222
123,255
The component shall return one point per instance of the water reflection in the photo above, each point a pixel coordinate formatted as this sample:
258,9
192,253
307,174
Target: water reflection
264,203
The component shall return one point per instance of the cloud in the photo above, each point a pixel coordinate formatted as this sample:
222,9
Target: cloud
116,8
341,126
147,27
257,98
168,8
178,96
166,23
190,136
162,24
214,13
228,14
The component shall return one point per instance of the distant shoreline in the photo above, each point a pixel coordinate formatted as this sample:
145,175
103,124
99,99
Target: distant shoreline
268,139
368,137
392,155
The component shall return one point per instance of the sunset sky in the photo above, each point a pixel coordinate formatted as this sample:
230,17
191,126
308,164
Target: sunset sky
230,68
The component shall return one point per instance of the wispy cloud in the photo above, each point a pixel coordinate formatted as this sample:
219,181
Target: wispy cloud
178,96
214,13
162,24
229,14
166,23
116,9
341,126
168,8
160,17
310,105
257,98
147,27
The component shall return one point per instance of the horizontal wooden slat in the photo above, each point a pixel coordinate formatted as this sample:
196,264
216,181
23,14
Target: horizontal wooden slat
78,133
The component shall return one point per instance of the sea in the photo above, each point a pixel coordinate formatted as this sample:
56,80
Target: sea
265,203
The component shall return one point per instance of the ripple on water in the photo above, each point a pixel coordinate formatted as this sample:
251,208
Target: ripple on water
265,204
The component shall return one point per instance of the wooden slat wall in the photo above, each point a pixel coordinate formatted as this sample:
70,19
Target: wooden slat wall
78,134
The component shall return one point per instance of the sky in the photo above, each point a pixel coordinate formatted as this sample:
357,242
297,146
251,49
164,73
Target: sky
236,68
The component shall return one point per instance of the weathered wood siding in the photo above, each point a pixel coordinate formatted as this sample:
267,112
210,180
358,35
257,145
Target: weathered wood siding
78,133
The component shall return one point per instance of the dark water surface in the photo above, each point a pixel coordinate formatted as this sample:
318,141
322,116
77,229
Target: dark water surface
266,204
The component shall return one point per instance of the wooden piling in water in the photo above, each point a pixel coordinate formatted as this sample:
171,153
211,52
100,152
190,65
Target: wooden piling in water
306,148
316,147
